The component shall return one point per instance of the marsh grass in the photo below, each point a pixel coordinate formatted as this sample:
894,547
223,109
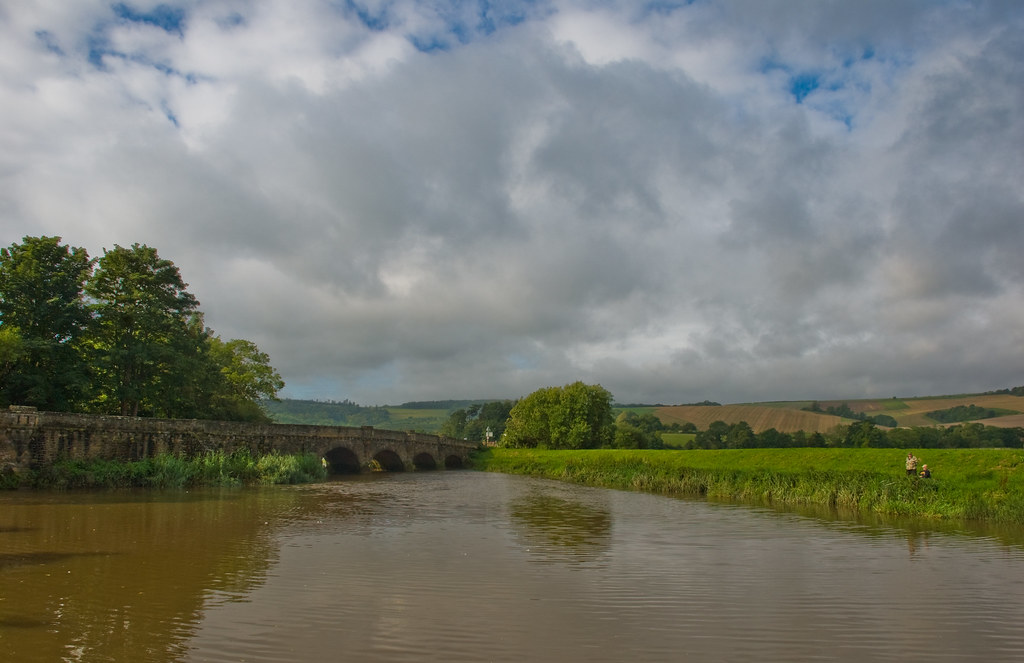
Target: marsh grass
214,468
976,484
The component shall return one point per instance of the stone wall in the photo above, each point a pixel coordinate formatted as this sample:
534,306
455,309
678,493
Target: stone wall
29,438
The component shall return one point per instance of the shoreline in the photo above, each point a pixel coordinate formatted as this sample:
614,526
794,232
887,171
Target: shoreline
163,471
967,484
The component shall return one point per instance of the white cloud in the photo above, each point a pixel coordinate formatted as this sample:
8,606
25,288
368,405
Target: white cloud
548,192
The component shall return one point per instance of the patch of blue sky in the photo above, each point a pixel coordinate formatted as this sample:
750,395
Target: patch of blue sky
464,21
429,44
232,20
166,17
835,110
47,39
665,7
867,54
169,114
378,21
99,48
803,84
831,92
799,84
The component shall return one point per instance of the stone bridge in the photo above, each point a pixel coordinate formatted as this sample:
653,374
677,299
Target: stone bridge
29,438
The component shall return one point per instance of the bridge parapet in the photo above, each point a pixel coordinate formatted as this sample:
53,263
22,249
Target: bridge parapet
29,437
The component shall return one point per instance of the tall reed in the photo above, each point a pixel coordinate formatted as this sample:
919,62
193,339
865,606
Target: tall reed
214,468
980,484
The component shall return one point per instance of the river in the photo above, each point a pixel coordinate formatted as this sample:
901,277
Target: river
469,566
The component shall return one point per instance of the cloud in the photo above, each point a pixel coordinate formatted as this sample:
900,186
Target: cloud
401,200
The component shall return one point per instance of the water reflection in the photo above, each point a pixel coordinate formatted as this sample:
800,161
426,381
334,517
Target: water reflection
915,530
124,576
557,528
451,566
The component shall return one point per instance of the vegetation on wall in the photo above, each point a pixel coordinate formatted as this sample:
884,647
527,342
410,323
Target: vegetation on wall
214,468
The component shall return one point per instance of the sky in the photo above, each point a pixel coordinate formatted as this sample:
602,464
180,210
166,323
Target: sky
398,200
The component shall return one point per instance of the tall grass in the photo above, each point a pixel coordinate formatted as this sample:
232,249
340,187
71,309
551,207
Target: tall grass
214,468
977,484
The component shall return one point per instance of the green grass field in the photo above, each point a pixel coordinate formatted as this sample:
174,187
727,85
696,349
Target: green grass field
421,420
676,440
973,484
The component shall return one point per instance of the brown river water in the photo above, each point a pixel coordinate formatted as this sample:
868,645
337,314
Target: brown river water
468,566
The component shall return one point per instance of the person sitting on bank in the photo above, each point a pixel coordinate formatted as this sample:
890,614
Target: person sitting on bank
911,464
925,472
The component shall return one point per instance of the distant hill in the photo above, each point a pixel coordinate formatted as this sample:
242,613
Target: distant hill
760,417
423,416
789,416
325,413
783,416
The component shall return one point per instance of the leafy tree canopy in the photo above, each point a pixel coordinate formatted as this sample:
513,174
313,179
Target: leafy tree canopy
576,416
41,284
138,346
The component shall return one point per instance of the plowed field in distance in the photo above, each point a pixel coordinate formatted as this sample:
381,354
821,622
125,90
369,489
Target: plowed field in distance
788,417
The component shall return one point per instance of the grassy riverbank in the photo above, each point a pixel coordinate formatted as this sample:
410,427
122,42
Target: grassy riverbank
977,484
215,468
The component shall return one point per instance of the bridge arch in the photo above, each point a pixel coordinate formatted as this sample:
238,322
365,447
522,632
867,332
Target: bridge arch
424,461
32,438
341,460
389,461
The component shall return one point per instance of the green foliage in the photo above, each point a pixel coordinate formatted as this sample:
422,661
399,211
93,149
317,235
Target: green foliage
969,484
138,348
677,440
576,416
1014,391
721,435
961,413
845,412
529,421
245,381
437,405
628,436
41,285
864,434
142,329
325,413
473,422
215,468
12,349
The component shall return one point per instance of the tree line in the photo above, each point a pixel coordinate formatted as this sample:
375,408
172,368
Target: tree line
845,412
720,435
580,416
326,413
574,416
961,413
119,334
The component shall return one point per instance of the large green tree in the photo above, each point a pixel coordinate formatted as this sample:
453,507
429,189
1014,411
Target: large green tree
246,379
576,416
41,285
145,331
473,422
